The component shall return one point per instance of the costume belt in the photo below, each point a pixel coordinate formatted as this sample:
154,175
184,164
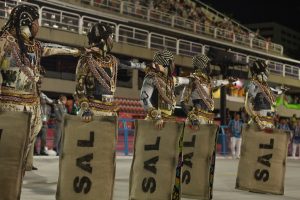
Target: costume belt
266,119
103,106
8,96
206,115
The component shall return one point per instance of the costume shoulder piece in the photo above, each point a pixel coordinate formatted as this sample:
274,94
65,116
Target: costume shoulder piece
7,43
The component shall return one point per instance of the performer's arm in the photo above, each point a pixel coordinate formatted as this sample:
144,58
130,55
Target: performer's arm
48,100
184,100
4,50
279,91
130,64
146,94
252,90
50,49
81,73
178,81
219,83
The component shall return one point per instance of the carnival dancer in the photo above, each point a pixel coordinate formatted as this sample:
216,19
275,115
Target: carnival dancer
200,133
96,81
264,148
158,141
260,98
20,82
96,73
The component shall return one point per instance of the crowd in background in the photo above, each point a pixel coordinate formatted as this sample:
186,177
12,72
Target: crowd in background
291,125
292,99
192,11
52,114
237,119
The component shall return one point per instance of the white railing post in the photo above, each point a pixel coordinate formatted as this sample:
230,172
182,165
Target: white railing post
203,50
177,47
149,40
233,37
80,28
299,74
281,50
92,2
215,32
60,20
251,43
283,70
117,33
247,59
148,15
173,21
195,26
121,7
41,16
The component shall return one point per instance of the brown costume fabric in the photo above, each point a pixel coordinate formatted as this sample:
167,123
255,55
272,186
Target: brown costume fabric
155,160
199,148
87,161
13,143
263,159
29,161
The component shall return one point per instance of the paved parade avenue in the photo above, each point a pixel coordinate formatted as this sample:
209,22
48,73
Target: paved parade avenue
41,184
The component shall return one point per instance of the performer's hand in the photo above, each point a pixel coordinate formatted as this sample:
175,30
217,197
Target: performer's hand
284,89
195,124
87,116
159,124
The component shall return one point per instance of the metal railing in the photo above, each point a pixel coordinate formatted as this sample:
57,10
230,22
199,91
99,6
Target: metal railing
133,36
136,10
87,23
151,15
67,21
59,19
188,48
160,42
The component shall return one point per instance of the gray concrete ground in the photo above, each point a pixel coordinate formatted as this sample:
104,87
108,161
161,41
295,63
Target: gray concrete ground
41,184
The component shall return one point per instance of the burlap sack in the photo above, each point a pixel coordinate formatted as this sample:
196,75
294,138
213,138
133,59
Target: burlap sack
87,161
199,148
155,160
14,134
263,159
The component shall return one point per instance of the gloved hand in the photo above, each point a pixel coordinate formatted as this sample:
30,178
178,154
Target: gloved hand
193,119
87,115
85,112
159,124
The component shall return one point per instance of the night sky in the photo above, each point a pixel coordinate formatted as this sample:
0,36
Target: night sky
285,12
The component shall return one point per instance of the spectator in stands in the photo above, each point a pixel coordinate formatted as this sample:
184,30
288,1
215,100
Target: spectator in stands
296,100
235,128
277,120
42,135
60,110
283,125
293,120
75,107
296,139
